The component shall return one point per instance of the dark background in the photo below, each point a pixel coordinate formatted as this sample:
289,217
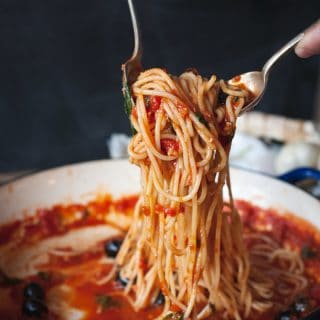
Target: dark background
60,78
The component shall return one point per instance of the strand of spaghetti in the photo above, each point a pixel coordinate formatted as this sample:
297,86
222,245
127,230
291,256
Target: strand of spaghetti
185,198
157,130
143,124
170,96
186,138
232,90
191,131
159,262
156,82
229,110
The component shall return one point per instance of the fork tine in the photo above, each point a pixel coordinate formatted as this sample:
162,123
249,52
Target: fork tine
137,51
132,67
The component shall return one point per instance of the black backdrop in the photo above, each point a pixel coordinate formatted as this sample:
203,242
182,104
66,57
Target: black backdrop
60,65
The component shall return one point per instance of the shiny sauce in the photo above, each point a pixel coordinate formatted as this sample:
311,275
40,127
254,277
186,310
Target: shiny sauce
80,272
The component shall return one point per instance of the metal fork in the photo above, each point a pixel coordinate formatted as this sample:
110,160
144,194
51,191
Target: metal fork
256,81
132,67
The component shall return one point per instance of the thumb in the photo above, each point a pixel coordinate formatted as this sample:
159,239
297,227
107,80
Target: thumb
310,43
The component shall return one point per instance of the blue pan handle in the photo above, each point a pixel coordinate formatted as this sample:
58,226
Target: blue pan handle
300,174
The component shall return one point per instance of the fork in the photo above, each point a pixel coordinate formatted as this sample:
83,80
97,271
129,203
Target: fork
132,67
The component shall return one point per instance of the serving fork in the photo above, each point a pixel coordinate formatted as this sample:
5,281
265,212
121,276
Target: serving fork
255,81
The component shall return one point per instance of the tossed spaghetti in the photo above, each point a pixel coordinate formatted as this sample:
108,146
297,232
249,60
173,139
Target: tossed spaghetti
185,240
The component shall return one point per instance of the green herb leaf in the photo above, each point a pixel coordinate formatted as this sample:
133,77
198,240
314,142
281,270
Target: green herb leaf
307,252
201,118
127,99
45,276
105,301
8,281
128,104
174,316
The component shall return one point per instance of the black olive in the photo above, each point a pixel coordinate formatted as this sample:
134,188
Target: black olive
122,281
34,308
112,247
300,306
33,291
285,315
160,299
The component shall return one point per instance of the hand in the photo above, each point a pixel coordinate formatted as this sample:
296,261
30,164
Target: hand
310,43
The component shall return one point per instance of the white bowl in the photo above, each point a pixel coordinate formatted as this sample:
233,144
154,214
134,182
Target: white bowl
82,182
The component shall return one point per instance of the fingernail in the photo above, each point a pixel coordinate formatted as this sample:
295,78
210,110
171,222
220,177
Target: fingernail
301,52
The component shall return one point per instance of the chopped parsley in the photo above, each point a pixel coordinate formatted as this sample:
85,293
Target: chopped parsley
201,118
105,302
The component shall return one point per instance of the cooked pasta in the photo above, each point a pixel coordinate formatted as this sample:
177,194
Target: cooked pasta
186,238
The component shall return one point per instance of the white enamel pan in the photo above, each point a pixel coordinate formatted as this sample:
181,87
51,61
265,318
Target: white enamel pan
82,182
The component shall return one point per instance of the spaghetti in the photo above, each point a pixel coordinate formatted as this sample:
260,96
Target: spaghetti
185,241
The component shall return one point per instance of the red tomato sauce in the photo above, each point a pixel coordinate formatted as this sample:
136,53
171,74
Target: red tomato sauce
292,232
169,146
60,219
7,231
82,271
152,104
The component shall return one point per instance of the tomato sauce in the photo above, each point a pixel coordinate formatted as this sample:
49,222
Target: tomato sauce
82,272
60,219
169,146
152,104
251,96
119,310
7,231
292,232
